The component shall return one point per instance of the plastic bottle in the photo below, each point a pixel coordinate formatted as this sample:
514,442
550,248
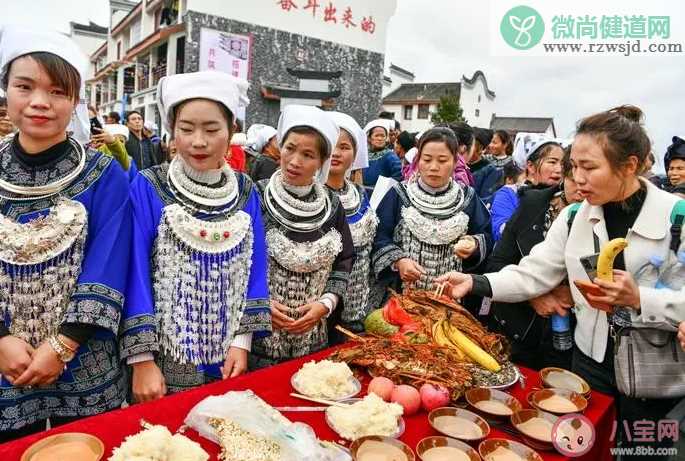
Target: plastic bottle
646,276
673,276
562,339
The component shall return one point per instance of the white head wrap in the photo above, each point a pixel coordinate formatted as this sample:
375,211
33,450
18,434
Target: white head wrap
259,135
296,115
238,139
215,86
150,125
411,153
526,144
347,123
18,41
384,123
116,129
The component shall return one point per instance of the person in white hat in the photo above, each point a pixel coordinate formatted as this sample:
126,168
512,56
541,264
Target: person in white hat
539,156
265,143
310,246
383,161
62,304
351,154
197,291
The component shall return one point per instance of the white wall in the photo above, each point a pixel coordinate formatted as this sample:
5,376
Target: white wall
88,45
415,124
468,101
269,13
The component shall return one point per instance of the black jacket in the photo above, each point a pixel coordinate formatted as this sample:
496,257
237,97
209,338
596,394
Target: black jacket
134,147
525,229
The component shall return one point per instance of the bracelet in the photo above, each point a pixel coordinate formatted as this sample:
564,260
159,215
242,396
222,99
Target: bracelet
64,353
65,345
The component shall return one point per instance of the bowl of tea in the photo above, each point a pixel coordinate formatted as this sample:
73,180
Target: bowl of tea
558,378
506,450
491,403
535,427
558,401
459,424
440,448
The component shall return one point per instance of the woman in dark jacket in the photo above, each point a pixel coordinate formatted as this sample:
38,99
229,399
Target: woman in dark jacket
528,324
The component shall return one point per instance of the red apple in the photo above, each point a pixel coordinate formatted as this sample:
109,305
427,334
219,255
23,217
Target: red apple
433,397
382,387
408,397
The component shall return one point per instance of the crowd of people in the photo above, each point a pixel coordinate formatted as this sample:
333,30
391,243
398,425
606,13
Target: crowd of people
133,266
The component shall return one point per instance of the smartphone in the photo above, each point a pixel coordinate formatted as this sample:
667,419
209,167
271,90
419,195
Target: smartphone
589,264
95,126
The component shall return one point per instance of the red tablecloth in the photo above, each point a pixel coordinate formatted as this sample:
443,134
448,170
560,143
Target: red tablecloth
273,385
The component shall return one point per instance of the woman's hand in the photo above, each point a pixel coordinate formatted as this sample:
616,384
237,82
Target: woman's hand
313,313
465,247
102,138
409,270
557,301
279,318
681,334
235,363
623,291
15,357
458,284
44,369
148,382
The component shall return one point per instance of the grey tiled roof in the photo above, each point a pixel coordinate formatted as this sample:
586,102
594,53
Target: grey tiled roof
525,124
418,92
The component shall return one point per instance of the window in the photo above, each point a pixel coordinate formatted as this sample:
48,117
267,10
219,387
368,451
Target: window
423,111
119,50
478,98
477,112
180,54
407,112
135,33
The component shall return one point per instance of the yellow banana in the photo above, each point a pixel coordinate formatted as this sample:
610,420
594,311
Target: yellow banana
445,326
441,339
605,261
472,349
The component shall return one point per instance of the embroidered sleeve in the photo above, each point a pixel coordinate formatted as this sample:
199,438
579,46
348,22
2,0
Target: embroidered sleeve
479,228
139,326
98,298
385,251
256,317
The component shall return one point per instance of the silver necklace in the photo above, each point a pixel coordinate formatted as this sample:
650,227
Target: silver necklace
445,204
350,197
47,190
276,198
199,193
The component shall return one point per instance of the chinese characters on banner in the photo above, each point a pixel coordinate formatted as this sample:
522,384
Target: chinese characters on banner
329,13
611,27
226,52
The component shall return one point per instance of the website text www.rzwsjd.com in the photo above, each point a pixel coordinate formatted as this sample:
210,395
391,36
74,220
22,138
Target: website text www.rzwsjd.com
643,451
625,48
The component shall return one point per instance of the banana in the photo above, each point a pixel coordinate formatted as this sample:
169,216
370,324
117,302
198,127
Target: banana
445,326
471,349
605,262
439,337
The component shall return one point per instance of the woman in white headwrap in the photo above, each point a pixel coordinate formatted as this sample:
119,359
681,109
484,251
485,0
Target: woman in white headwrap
351,153
383,161
65,230
540,157
197,290
310,246
269,154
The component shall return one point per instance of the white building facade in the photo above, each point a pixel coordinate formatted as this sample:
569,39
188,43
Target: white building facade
413,103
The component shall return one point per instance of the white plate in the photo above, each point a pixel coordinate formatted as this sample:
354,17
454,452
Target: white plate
355,381
396,435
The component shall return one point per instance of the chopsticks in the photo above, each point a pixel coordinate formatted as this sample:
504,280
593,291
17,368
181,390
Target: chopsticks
331,403
440,289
